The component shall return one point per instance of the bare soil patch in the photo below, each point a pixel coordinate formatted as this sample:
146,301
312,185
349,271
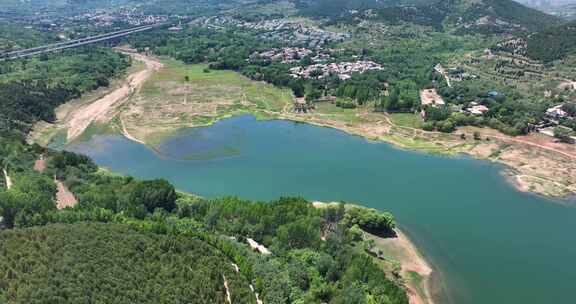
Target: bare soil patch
40,164
103,109
64,198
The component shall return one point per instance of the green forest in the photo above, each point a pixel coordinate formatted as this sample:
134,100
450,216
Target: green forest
113,263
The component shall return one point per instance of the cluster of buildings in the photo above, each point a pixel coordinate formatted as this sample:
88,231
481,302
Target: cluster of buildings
557,113
292,55
430,97
477,109
132,17
554,116
343,70
291,32
286,55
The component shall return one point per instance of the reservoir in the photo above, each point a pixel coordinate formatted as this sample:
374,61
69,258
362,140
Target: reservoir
488,242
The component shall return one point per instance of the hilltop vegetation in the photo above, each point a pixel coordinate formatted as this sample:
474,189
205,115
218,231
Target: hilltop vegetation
484,16
554,43
507,11
113,263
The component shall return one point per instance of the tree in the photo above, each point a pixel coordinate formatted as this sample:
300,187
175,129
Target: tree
23,209
564,135
300,234
297,87
381,223
154,194
313,95
446,126
477,135
570,108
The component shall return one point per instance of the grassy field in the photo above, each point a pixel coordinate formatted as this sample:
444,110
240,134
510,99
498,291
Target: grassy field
332,112
180,96
410,120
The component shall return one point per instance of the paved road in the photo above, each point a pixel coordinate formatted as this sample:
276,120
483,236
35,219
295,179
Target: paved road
73,43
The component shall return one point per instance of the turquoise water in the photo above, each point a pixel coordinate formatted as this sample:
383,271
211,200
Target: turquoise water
491,243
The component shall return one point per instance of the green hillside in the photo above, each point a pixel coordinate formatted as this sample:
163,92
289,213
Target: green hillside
112,263
500,12
554,43
486,16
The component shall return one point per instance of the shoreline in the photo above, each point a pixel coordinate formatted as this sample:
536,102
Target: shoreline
512,175
420,265
538,167
535,185
525,183
419,288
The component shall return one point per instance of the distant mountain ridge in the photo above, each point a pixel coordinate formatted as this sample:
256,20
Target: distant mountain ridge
490,16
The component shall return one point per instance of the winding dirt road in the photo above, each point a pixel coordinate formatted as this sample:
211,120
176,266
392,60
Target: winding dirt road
101,109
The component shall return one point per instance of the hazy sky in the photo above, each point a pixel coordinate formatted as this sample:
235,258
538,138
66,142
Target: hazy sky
546,2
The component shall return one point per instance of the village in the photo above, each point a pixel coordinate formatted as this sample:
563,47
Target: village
285,55
94,19
343,70
284,30
129,16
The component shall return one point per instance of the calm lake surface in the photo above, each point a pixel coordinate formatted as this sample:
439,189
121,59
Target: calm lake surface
490,243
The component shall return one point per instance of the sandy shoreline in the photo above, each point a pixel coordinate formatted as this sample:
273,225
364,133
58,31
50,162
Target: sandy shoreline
402,250
415,262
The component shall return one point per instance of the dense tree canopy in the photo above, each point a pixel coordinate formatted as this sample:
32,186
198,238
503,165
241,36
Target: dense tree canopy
112,263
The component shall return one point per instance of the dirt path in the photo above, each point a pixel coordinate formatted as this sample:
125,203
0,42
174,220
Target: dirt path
40,164
64,198
7,179
258,247
440,69
529,143
258,300
228,295
101,110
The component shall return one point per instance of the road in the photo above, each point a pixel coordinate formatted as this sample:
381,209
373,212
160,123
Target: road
73,43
